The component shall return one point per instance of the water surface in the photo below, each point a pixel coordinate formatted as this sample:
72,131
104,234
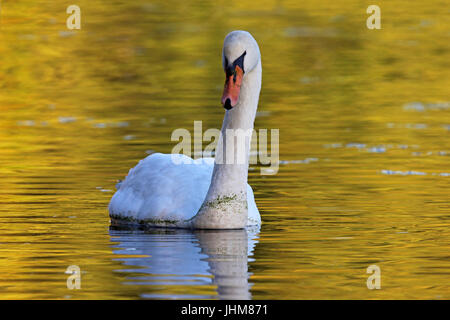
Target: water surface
364,120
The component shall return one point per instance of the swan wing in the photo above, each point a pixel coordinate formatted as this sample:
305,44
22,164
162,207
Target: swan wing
164,189
161,187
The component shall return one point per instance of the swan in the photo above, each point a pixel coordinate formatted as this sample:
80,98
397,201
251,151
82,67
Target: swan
174,190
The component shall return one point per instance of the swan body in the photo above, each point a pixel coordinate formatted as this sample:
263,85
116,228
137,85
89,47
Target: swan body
173,190
159,193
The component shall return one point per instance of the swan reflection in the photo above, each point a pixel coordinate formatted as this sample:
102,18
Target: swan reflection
168,259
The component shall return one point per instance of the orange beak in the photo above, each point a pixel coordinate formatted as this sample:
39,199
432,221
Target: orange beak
232,88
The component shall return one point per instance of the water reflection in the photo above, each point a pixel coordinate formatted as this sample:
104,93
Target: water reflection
364,120
170,258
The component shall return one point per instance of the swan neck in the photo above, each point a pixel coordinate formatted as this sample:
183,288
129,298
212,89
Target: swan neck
232,153
225,205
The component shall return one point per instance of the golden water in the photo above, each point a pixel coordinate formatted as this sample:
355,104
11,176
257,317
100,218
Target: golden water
370,109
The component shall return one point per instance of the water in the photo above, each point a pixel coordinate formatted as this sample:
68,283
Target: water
364,122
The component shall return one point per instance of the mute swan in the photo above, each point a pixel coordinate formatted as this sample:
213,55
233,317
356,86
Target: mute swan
173,190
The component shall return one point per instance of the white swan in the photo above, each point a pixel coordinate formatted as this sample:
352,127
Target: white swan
167,190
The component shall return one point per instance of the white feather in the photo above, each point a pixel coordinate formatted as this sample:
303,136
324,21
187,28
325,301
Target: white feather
158,190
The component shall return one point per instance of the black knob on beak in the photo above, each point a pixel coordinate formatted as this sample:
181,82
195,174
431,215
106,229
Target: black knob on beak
227,105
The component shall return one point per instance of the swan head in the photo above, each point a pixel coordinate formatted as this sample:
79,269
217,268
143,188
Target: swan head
240,55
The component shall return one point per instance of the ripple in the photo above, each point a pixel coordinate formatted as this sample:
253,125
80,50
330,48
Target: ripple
333,145
263,113
308,80
376,149
403,173
26,123
420,107
304,161
67,119
416,106
66,34
102,125
417,126
382,148
413,173
305,32
355,145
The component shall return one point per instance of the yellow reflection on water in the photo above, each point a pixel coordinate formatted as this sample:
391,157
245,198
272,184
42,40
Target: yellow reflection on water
371,108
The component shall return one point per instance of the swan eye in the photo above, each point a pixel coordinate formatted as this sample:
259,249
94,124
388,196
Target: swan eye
234,75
